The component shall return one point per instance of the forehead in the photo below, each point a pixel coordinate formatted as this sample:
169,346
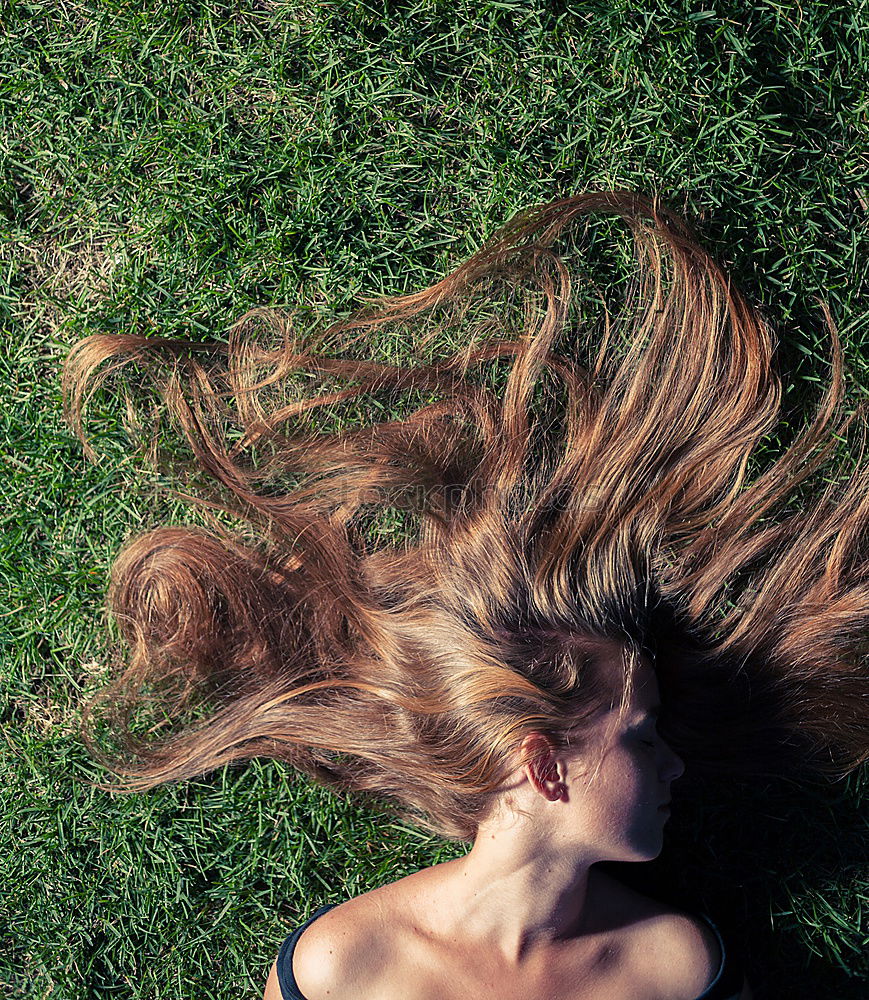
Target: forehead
610,659
645,692
646,688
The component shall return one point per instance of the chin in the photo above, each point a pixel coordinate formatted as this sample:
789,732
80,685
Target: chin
645,848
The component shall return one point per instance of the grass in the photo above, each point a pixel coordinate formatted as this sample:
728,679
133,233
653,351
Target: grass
165,167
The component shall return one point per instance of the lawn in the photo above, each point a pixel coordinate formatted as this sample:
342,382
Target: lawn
163,168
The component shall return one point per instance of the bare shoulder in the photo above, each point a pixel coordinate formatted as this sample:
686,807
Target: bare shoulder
690,957
336,955
675,954
361,948
328,958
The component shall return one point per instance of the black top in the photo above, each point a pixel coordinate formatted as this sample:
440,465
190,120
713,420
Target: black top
726,985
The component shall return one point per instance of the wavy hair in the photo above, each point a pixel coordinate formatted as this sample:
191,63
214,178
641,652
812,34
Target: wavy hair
531,515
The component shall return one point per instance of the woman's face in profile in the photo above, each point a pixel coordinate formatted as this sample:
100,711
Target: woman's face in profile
616,806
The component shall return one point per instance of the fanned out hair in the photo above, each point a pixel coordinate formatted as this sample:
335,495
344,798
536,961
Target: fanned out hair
599,497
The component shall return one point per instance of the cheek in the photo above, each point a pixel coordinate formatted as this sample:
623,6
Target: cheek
638,766
633,775
621,787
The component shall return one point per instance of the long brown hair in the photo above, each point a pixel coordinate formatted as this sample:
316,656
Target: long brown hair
590,497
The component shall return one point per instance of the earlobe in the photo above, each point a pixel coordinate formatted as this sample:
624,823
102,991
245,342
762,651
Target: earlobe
557,792
560,787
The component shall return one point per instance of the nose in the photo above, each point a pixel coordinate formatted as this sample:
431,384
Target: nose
673,767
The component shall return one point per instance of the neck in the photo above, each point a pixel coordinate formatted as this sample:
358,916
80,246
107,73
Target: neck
520,897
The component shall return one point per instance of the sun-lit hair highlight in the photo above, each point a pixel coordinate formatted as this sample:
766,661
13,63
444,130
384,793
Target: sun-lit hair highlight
599,496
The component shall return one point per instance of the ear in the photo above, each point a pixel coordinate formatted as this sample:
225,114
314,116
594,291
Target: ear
541,767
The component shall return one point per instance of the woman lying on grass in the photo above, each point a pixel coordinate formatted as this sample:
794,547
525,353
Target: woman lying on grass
588,596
